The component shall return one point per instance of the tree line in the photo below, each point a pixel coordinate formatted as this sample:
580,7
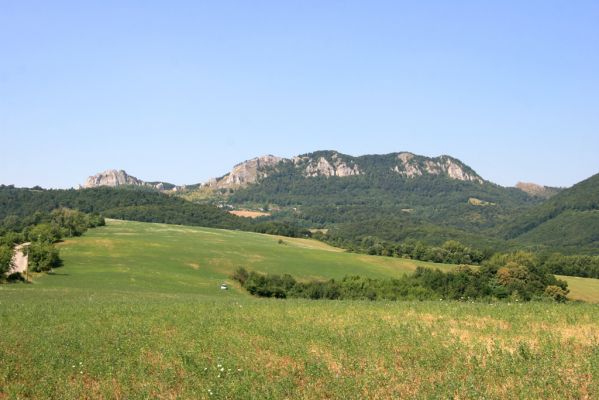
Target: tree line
454,252
514,278
18,205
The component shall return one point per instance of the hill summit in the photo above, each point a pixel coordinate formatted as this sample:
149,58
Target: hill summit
330,163
115,178
112,178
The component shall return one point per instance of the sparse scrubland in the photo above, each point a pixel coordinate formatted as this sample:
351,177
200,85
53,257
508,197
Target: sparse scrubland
136,312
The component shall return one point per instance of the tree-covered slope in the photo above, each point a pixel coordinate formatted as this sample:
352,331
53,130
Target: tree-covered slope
571,232
394,196
125,203
567,222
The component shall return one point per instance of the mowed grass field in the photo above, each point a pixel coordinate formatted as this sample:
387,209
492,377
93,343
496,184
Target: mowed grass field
136,312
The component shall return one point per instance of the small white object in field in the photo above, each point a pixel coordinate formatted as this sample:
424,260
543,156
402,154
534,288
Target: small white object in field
224,286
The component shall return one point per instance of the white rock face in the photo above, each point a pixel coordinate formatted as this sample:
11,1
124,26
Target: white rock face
115,178
246,173
322,167
112,178
409,167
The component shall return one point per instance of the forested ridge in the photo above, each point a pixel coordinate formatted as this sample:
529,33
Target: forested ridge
129,203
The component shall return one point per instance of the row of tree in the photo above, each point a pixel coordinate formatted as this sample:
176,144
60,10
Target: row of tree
450,252
583,266
454,252
514,278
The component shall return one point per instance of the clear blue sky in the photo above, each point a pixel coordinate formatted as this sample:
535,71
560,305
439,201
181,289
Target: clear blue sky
182,90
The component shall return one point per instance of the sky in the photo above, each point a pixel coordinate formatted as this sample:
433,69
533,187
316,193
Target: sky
180,91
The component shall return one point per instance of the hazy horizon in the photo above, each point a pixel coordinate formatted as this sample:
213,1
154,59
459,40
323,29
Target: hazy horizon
180,92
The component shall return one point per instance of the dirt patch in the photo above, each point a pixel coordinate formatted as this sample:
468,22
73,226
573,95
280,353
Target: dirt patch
194,265
19,259
249,214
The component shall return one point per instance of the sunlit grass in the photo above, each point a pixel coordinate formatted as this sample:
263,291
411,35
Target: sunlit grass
136,312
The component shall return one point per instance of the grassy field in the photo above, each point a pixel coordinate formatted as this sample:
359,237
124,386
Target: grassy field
136,312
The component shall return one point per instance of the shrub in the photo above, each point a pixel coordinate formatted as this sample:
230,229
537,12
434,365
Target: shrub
556,293
47,233
42,257
6,254
240,275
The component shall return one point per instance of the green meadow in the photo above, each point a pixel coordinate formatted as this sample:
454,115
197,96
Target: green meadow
136,312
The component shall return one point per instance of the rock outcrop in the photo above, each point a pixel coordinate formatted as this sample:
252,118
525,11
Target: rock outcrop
116,178
245,173
112,178
322,167
411,166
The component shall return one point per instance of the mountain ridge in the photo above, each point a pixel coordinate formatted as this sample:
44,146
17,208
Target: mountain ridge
331,163
322,163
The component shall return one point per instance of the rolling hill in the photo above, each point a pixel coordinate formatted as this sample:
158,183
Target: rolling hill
136,312
151,257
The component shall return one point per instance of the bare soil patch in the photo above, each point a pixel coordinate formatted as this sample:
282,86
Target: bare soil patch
249,214
19,260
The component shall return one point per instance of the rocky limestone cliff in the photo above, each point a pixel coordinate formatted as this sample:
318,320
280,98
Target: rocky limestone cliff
115,178
245,173
112,178
320,166
411,166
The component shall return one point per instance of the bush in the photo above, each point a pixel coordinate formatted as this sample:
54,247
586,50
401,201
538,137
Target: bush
556,293
42,257
6,254
46,233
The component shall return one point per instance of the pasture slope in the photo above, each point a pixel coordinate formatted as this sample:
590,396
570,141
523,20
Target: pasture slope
136,312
